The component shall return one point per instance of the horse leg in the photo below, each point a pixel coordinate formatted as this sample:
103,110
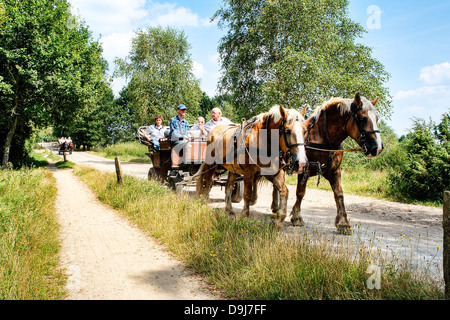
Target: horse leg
200,180
275,200
209,177
341,221
205,180
248,194
296,218
228,192
279,184
255,191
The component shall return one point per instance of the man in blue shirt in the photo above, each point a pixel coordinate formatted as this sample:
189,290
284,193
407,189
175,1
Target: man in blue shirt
179,127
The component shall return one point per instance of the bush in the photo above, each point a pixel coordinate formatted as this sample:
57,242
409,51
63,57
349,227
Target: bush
424,172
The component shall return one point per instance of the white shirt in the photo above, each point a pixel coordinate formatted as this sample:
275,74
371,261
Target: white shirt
155,132
211,124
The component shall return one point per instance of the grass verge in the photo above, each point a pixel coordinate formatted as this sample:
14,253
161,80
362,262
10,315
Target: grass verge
128,151
246,258
29,242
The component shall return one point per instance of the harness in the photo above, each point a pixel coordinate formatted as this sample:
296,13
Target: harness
361,129
245,129
329,147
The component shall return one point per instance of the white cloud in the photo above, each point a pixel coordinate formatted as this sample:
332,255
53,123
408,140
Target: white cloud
109,16
170,15
421,92
198,69
116,45
215,58
413,110
436,74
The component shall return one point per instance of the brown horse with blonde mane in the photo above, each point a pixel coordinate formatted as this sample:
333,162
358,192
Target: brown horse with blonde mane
328,127
256,149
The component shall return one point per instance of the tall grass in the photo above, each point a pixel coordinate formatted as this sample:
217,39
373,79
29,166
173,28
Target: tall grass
29,236
127,151
246,258
362,182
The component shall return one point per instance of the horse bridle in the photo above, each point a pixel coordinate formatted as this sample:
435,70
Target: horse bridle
289,166
283,132
363,132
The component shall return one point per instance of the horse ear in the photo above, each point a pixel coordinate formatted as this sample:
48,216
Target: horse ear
374,102
358,99
303,112
283,113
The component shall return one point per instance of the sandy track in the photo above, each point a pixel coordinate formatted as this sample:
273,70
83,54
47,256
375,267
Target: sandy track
107,258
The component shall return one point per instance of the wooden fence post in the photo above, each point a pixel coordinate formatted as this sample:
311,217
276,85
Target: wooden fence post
446,225
118,170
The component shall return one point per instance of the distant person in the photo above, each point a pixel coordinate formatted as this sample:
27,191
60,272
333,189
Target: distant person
216,120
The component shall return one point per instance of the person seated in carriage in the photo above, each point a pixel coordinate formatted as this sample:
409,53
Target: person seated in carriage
155,132
200,126
216,120
179,127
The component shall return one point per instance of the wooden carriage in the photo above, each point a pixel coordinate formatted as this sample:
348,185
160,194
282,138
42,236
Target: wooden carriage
177,167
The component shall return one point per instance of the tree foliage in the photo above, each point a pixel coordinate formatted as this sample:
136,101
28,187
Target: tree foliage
50,69
295,53
160,71
423,171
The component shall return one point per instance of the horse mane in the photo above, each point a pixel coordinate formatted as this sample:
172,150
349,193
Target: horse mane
293,115
344,106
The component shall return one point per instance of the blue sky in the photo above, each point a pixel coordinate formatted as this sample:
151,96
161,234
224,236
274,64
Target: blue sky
410,38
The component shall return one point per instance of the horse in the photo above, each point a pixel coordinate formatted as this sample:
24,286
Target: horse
327,128
239,149
66,147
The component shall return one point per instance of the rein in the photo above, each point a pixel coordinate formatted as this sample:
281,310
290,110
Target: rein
326,148
248,125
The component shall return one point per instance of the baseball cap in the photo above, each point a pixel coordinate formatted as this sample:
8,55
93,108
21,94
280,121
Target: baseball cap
181,107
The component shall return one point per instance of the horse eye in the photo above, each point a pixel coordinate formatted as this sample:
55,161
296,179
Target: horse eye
363,119
288,131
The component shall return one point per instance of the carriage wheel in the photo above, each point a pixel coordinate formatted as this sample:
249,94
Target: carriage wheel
238,192
151,174
173,181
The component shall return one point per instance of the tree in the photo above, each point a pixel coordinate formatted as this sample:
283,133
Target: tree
50,69
295,53
424,172
160,70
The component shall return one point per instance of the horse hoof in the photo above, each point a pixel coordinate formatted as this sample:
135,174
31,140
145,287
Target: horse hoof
298,222
345,230
245,214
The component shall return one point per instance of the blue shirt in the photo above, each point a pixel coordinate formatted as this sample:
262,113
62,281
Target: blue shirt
178,128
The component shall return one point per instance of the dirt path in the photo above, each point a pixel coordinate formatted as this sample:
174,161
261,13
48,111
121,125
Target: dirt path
108,258
400,230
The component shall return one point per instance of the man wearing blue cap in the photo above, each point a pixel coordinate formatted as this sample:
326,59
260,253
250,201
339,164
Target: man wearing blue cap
179,127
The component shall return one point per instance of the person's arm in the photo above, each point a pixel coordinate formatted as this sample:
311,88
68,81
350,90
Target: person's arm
175,134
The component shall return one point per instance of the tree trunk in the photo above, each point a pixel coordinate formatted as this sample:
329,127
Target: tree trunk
8,142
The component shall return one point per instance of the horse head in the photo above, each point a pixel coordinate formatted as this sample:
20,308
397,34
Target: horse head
292,132
362,126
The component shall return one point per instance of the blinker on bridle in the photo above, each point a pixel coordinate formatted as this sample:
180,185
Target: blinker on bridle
283,131
354,111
